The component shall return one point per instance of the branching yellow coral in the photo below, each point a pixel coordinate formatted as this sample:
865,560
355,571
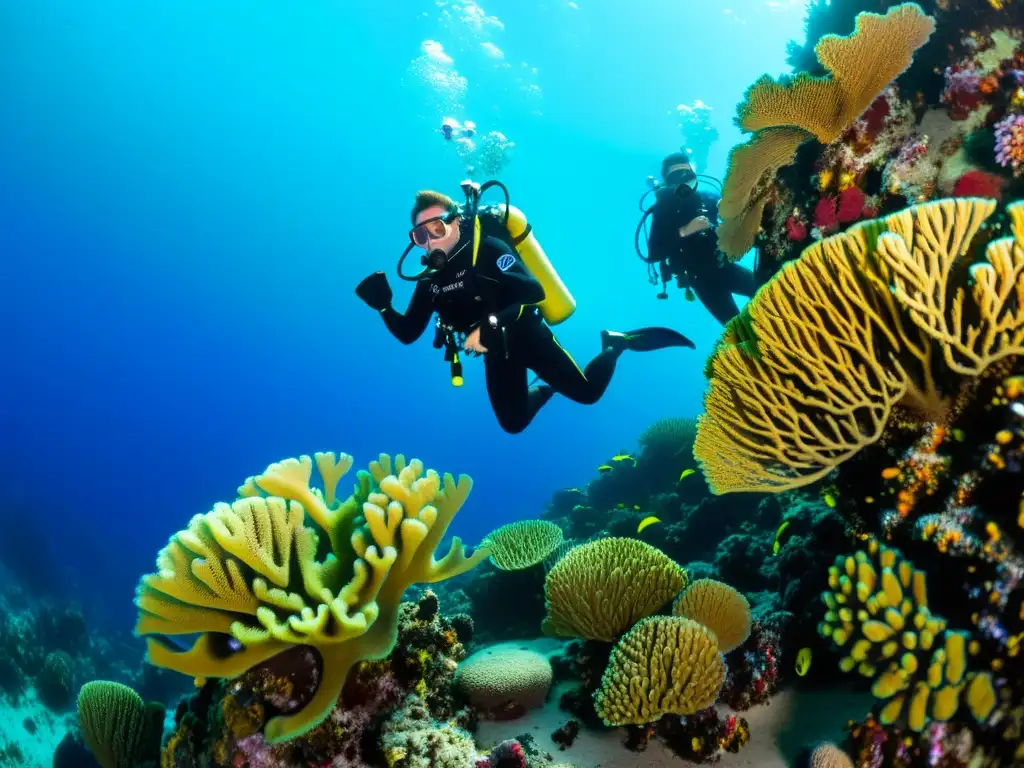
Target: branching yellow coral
718,607
251,570
861,322
861,66
664,665
600,589
878,614
523,544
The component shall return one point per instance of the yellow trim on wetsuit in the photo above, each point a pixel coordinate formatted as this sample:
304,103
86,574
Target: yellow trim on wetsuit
476,237
571,358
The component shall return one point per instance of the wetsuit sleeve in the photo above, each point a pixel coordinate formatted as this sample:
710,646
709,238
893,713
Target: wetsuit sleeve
516,287
410,326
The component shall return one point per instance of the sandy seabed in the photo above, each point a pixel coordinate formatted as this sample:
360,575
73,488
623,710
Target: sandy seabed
778,731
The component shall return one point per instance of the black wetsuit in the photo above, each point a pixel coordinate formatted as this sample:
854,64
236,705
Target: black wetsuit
464,297
695,260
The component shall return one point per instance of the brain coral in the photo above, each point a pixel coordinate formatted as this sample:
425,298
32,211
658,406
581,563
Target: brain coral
600,589
664,665
718,607
504,677
830,756
523,544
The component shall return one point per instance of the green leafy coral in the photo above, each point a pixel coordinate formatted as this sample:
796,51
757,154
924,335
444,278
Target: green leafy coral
119,728
253,570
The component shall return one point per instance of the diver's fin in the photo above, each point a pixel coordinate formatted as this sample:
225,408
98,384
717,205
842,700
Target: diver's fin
645,340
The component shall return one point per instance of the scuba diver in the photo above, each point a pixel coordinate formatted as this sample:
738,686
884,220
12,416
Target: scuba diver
495,294
683,243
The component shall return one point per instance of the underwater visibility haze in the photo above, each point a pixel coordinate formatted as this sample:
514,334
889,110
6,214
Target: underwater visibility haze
811,498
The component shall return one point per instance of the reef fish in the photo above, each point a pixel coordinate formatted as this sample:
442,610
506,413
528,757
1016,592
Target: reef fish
686,473
803,661
782,534
647,521
624,457
605,468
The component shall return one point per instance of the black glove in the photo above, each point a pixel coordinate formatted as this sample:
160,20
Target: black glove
375,291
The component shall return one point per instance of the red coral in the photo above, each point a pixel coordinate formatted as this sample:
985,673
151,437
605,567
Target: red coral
875,116
963,92
851,204
979,184
825,214
796,230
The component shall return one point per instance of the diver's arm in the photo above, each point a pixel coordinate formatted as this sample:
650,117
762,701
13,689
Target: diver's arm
409,327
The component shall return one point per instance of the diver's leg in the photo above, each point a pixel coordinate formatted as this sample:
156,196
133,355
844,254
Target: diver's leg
740,280
507,389
716,296
545,356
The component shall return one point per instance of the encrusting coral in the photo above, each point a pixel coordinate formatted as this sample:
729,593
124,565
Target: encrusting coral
878,613
522,544
600,589
664,665
249,578
864,321
718,607
784,116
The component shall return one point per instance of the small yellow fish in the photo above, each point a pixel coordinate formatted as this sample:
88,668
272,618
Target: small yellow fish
636,507
604,468
803,661
958,435
686,473
620,505
780,537
830,500
649,520
624,457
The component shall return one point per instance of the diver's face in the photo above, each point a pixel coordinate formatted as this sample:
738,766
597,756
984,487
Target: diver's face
681,174
437,237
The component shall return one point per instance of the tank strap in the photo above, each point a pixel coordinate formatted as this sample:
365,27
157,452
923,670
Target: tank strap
476,237
525,234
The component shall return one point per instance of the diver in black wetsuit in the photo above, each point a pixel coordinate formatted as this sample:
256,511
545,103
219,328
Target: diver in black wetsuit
684,244
488,306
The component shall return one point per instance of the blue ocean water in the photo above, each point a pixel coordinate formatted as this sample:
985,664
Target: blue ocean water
190,191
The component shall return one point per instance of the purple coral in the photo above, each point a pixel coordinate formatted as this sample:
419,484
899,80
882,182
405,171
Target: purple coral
1010,143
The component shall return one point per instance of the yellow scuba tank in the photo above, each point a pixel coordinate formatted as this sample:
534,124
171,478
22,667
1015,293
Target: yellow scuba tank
558,304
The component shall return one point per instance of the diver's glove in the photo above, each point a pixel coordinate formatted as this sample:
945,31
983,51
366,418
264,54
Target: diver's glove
375,291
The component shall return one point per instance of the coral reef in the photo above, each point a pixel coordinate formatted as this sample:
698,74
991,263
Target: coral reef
718,607
387,709
230,576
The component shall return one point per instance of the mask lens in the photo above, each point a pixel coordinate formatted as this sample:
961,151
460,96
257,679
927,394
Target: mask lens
429,229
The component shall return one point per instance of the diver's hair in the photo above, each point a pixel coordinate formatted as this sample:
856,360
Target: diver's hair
676,158
427,198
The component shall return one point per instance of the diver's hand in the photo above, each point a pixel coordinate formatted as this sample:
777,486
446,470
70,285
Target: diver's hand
375,291
473,342
699,224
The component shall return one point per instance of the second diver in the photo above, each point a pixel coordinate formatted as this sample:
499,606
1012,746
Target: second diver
489,303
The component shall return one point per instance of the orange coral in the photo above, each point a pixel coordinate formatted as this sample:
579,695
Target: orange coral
860,323
861,66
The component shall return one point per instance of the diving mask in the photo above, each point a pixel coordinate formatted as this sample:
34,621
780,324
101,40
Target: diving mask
681,174
432,229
